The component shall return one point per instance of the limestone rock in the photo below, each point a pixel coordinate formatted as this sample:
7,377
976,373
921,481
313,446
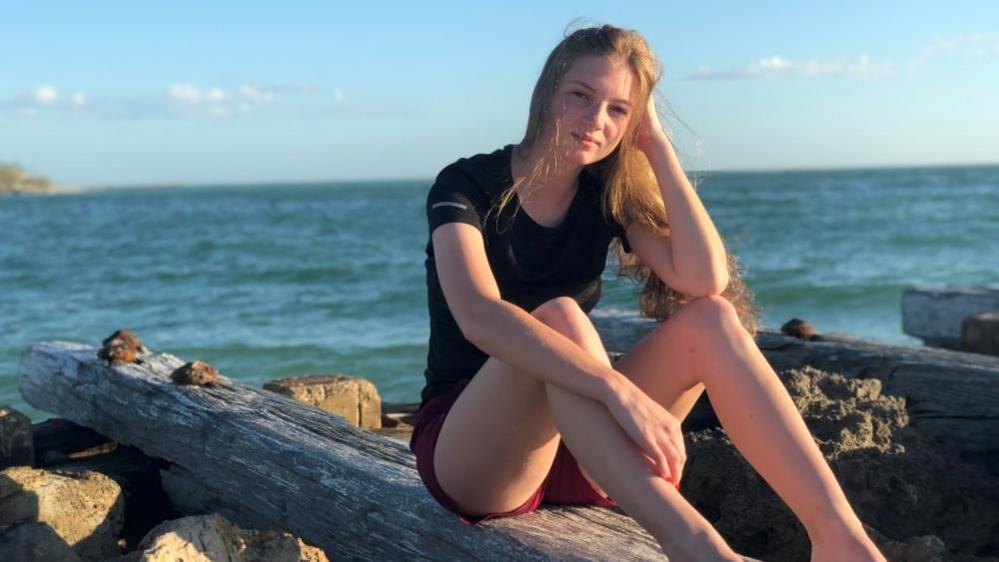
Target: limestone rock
275,546
352,398
212,538
84,508
898,480
935,315
16,444
34,542
927,548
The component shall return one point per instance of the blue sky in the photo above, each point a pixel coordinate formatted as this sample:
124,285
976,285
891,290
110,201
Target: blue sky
105,93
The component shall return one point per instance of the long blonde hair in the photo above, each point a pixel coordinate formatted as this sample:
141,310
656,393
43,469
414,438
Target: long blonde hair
631,193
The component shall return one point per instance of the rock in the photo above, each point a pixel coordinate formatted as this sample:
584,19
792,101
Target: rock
34,542
84,508
276,546
16,443
928,548
798,328
935,315
352,398
897,479
212,538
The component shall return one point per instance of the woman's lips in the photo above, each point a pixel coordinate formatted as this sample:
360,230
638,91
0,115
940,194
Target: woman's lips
584,140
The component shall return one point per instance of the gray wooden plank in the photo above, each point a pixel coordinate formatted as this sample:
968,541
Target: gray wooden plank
354,494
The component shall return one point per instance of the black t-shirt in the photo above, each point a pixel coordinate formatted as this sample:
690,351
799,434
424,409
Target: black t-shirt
531,263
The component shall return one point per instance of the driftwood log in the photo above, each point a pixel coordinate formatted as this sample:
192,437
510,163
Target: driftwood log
300,469
935,315
951,395
980,333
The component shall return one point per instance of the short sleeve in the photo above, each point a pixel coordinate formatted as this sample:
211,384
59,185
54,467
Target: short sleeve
616,229
619,232
453,198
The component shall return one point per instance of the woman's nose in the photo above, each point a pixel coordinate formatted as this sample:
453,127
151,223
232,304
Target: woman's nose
595,115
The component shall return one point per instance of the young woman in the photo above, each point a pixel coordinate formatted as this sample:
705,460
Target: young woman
521,403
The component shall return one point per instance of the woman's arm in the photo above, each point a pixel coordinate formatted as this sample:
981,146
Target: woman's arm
693,259
506,331
512,335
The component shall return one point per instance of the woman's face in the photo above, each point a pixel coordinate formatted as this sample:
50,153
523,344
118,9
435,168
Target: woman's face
593,104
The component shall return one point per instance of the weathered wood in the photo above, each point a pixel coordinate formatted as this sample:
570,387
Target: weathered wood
58,440
16,443
980,333
146,505
951,395
350,492
935,315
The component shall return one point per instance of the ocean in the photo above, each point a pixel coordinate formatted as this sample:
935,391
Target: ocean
267,281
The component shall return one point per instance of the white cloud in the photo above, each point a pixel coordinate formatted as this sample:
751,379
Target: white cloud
46,95
777,66
189,94
186,100
773,64
216,101
185,93
969,44
255,94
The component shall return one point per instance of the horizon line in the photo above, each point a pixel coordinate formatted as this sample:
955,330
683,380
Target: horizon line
848,168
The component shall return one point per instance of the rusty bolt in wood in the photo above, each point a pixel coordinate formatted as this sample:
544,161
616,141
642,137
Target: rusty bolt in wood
124,337
195,373
121,347
117,354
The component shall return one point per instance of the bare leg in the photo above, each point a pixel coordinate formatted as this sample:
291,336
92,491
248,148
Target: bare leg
590,431
612,459
704,343
498,442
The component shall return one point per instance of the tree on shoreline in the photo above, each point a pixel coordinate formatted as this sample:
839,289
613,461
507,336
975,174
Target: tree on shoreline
14,179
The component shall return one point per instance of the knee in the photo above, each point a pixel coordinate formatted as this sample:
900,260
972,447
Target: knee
709,314
562,314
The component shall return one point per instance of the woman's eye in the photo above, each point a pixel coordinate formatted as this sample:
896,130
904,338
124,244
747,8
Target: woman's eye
580,95
621,110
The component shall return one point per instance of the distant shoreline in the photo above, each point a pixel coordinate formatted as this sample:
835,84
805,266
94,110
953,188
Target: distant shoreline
16,180
315,182
879,168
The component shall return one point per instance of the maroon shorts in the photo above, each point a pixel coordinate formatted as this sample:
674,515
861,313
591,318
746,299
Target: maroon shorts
564,485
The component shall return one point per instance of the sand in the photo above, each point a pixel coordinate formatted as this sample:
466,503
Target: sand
922,502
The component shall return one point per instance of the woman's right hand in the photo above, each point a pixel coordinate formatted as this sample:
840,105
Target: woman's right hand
651,427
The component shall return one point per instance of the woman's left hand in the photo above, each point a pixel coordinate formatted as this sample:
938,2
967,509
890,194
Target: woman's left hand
651,135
